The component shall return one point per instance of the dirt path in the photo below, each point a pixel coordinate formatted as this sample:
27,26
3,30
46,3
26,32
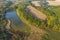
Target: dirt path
36,33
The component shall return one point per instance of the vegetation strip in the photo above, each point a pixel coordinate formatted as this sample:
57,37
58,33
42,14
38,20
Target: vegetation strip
34,29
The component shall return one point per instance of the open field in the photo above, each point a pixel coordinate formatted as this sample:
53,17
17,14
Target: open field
56,10
53,35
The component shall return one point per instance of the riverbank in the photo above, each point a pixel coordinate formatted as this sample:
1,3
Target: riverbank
36,33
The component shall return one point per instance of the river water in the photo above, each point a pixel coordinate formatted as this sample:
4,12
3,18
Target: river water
12,15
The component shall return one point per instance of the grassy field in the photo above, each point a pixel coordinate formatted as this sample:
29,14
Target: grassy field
54,35
56,10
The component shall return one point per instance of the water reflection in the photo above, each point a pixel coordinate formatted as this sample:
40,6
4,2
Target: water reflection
14,17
